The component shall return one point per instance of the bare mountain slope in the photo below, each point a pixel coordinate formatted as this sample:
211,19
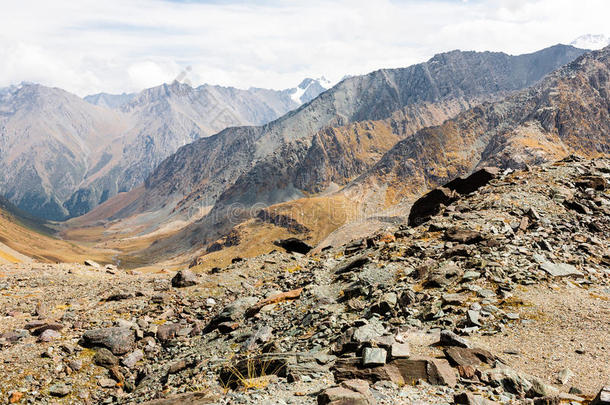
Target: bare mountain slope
207,167
329,141
48,141
567,112
24,239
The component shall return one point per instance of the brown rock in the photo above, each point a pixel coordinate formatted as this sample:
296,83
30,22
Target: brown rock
184,278
467,398
342,396
15,397
177,366
399,371
461,356
439,372
118,340
464,236
37,327
104,357
595,182
227,327
285,296
48,335
191,398
467,372
115,373
167,332
350,369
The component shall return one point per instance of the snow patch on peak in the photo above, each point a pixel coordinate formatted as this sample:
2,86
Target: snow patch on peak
298,93
309,88
591,41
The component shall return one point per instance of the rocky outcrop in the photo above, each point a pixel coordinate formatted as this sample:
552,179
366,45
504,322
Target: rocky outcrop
431,203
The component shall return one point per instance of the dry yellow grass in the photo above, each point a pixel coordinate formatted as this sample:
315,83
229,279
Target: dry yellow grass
38,246
322,215
8,257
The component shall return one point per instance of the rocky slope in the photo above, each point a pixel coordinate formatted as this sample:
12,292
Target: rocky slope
567,112
328,140
61,155
456,310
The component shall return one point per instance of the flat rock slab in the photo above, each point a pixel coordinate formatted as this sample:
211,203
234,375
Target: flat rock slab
399,371
400,350
374,356
560,269
448,338
461,356
342,395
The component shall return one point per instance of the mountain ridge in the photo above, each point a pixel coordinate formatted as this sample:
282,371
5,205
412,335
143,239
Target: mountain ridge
104,151
198,176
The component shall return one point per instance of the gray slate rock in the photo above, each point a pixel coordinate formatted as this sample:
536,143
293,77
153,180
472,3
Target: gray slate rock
132,358
118,340
104,357
373,356
59,390
449,338
560,269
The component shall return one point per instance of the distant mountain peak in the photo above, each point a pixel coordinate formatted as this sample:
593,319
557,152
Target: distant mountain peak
591,41
309,89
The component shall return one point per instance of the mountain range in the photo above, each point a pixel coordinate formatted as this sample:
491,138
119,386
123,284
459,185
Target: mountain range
210,188
63,155
176,172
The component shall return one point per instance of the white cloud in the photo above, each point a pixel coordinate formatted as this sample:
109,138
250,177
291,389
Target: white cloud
116,45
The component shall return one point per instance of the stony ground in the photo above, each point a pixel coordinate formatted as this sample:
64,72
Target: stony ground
503,295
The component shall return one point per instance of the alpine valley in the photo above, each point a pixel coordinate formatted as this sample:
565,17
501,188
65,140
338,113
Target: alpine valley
437,233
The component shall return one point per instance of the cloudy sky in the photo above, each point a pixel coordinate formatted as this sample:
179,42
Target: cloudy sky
88,46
